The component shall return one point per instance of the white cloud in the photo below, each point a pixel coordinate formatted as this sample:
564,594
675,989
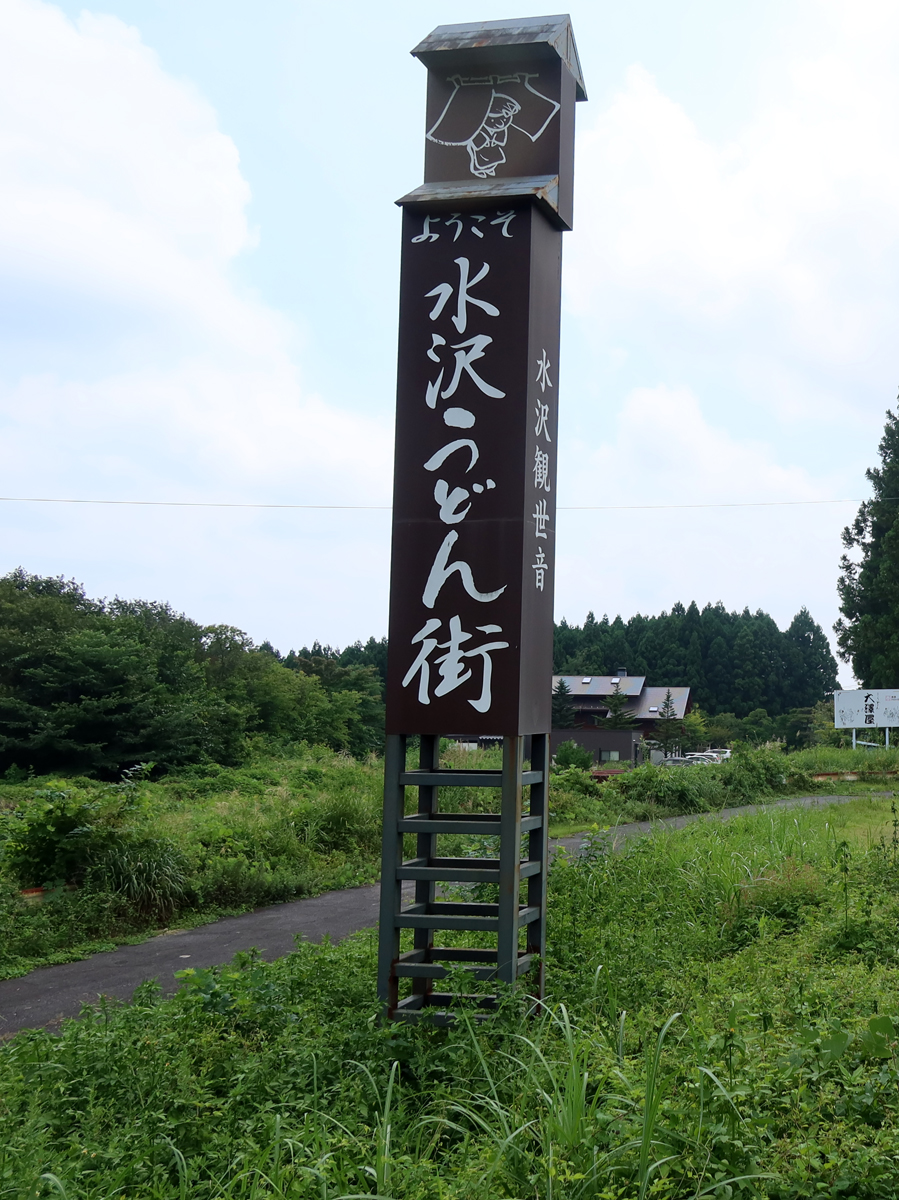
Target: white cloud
681,458
661,451
776,253
116,181
139,369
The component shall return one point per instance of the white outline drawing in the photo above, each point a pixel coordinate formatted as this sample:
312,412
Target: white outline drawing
481,119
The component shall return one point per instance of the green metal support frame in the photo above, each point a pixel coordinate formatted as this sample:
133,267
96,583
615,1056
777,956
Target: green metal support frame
425,913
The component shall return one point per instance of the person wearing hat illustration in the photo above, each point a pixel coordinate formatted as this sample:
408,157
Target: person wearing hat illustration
480,113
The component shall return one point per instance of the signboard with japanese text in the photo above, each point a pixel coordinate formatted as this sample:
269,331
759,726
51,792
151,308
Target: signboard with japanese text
475,472
473,551
875,708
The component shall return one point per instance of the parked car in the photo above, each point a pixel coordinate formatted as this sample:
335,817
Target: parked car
702,758
723,755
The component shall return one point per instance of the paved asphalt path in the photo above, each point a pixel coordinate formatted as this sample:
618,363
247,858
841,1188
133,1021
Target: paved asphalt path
49,994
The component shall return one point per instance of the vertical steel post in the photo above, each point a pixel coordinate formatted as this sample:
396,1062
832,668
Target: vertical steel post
425,850
509,860
391,857
538,851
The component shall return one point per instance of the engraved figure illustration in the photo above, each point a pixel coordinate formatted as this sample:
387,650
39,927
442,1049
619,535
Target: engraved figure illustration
481,111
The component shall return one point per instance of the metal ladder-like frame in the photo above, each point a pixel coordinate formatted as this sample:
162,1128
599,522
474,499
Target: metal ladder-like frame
427,914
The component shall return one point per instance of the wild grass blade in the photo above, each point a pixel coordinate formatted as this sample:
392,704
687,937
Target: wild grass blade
651,1106
56,1183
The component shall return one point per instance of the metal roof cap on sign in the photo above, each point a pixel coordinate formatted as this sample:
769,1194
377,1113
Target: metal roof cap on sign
501,38
544,189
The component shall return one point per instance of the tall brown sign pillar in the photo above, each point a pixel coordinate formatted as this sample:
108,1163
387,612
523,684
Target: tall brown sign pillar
471,591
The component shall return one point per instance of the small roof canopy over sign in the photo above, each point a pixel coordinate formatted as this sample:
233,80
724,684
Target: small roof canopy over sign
546,36
500,114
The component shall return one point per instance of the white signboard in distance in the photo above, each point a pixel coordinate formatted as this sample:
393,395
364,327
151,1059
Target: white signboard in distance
876,708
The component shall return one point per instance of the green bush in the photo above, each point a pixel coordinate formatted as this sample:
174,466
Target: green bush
681,789
574,779
747,776
54,836
570,754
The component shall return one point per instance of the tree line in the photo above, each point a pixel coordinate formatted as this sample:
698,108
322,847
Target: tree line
93,686
732,662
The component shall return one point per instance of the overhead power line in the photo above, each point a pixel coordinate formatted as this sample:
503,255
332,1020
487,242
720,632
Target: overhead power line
388,507
188,503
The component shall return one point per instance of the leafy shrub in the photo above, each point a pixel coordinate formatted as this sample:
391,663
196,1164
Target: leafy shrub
211,779
67,926
55,835
570,754
575,779
746,777
239,881
681,789
748,774
343,822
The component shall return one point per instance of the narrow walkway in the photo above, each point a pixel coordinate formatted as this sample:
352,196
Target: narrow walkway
49,994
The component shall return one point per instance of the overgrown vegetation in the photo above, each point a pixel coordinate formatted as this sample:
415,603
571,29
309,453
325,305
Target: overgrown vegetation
722,1021
95,687
648,792
189,847
123,860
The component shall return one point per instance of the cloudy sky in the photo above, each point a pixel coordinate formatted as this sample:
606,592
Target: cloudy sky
199,256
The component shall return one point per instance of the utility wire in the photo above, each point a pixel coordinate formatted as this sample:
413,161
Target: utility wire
186,503
388,507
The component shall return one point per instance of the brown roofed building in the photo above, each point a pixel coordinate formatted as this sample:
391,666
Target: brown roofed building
588,696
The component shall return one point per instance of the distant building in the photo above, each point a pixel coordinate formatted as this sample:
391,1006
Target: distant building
588,697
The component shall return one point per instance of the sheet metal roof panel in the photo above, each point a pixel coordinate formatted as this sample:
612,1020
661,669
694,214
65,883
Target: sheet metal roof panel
552,32
654,697
601,685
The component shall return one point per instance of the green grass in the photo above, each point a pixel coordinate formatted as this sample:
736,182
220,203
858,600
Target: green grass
828,758
276,829
722,1020
215,841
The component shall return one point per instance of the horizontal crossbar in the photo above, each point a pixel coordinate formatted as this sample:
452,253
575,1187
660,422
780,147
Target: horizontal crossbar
449,915
463,954
438,999
485,824
482,779
430,970
461,870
